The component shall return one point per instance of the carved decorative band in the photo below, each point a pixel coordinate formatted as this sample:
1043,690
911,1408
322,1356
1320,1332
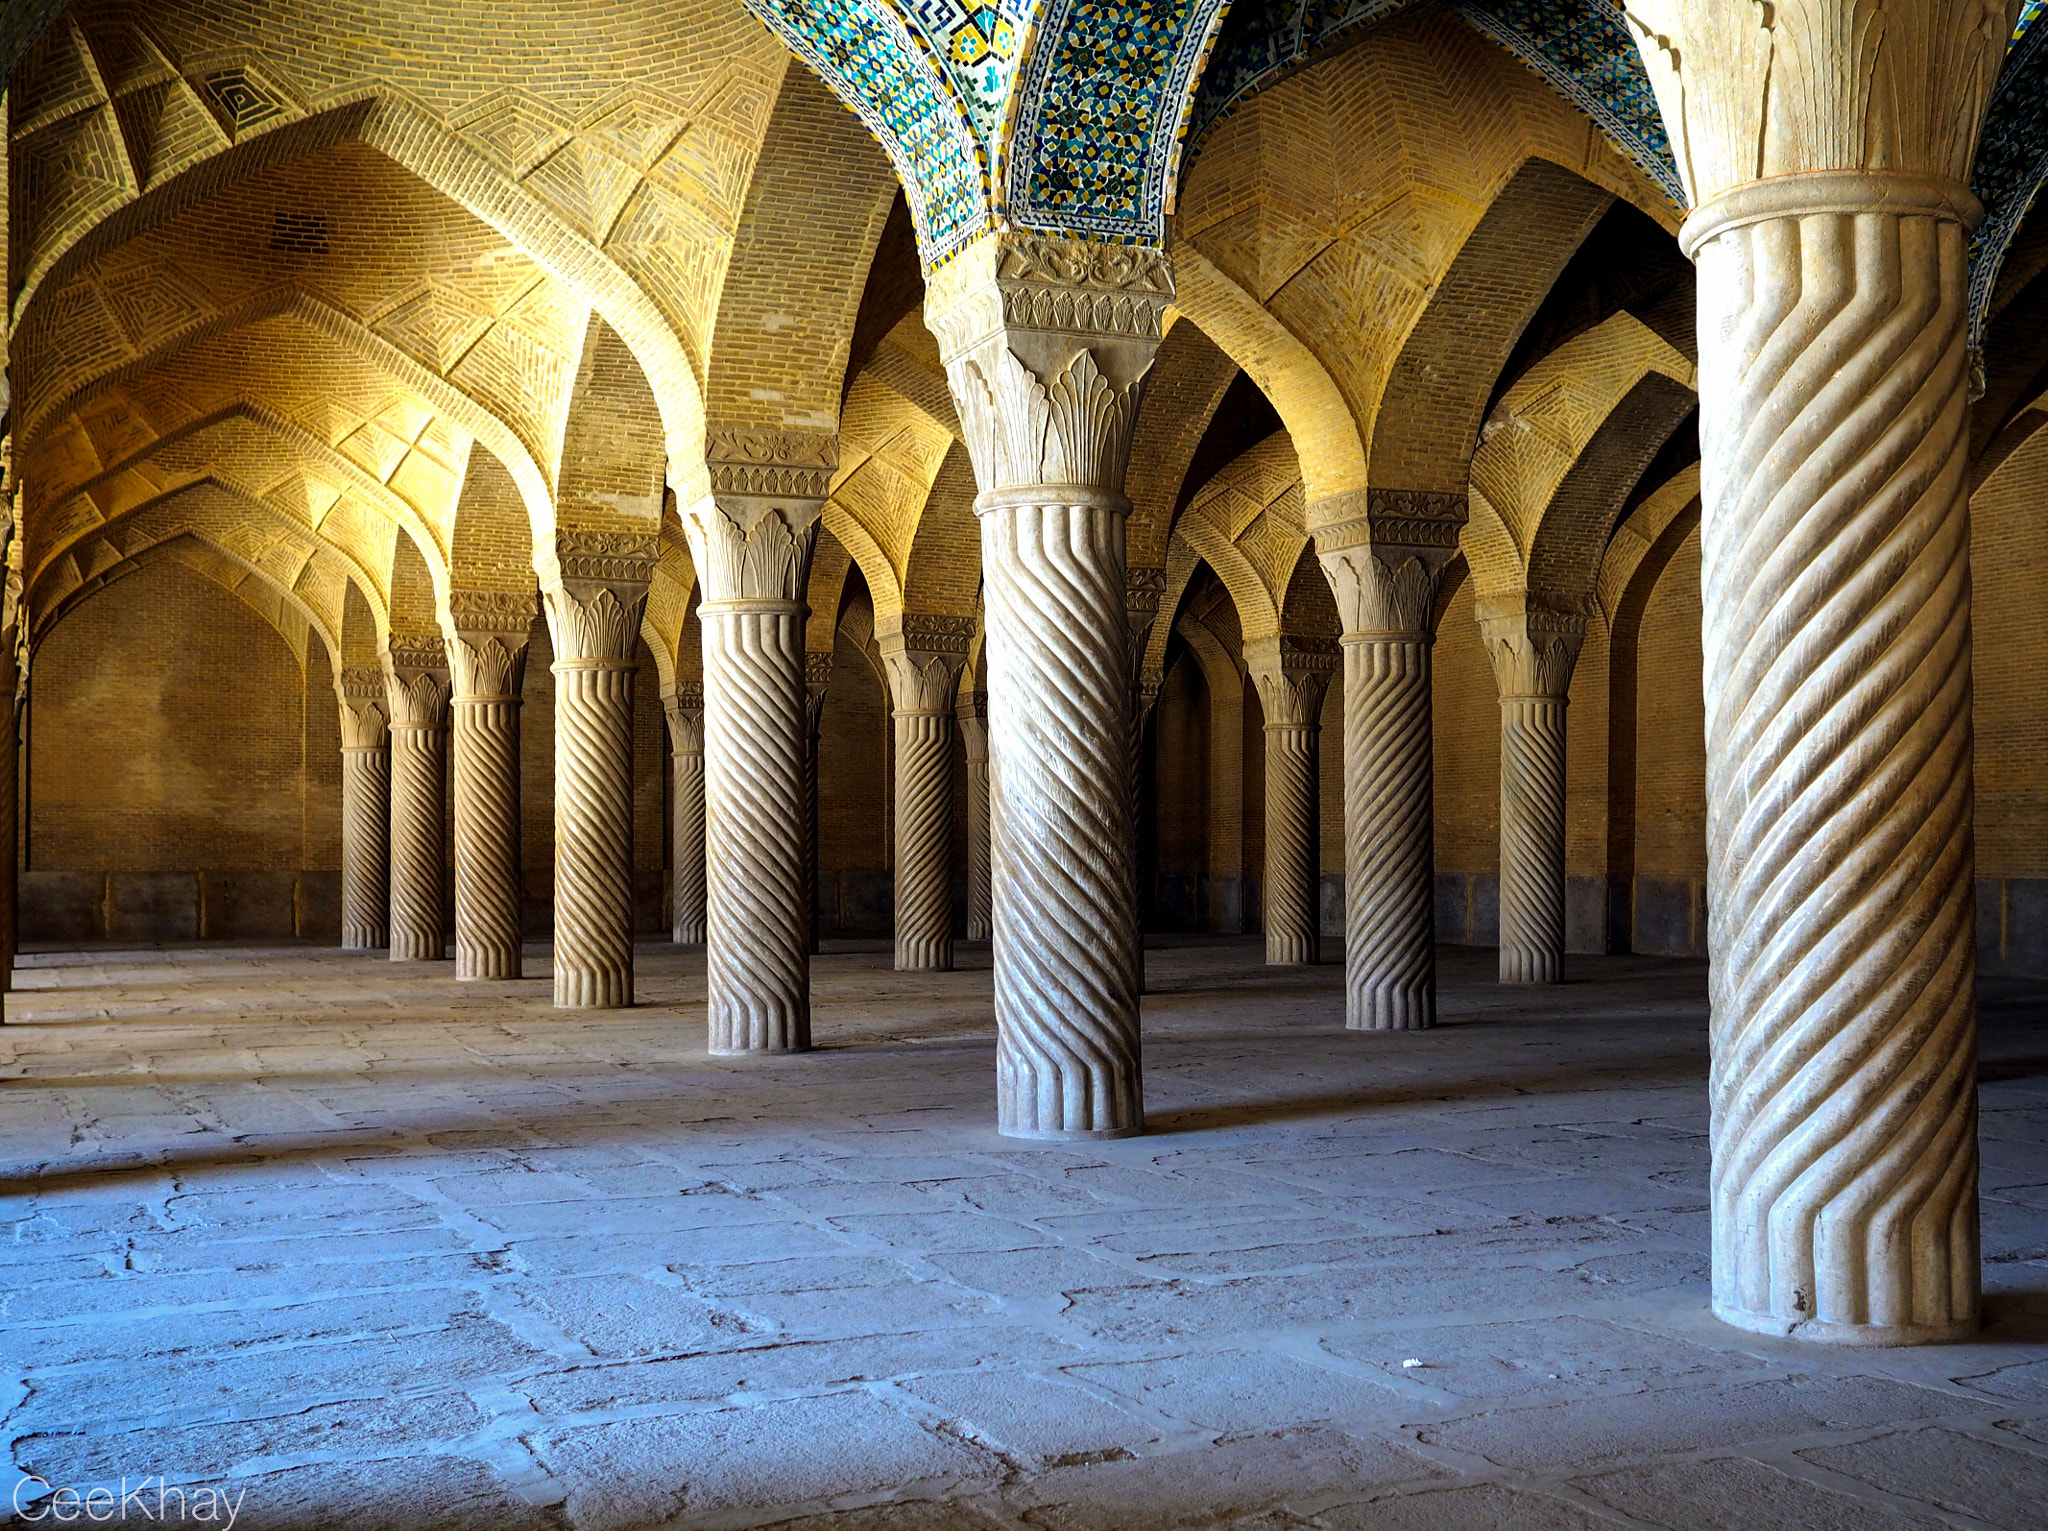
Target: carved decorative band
1808,192
938,634
493,611
1076,496
773,482
419,654
787,449
564,666
751,606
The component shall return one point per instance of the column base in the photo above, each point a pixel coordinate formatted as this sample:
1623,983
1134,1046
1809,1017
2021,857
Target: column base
582,993
1289,954
1055,1135
1872,1336
1529,967
489,971
365,943
400,955
759,1052
924,957
1390,1012
688,935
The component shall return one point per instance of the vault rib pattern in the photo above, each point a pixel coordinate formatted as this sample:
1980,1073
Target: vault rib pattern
1836,590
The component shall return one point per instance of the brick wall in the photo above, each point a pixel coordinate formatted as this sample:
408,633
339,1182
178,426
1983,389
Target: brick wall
855,798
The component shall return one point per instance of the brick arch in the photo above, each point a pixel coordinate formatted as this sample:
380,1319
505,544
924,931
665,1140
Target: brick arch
419,145
1428,419
292,446
943,572
327,327
490,545
819,198
885,594
1257,614
1183,563
1189,378
613,468
416,602
671,602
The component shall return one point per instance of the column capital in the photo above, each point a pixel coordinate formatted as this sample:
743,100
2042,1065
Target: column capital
1384,568
683,706
1151,680
1754,92
924,655
416,680
1046,341
487,632
365,710
1292,674
1534,647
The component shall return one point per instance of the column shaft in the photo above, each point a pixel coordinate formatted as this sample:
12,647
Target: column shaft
365,845
1389,835
489,890
1293,831
10,814
1532,808
924,841
593,834
974,734
417,691
756,834
1067,1052
817,679
686,849
1837,598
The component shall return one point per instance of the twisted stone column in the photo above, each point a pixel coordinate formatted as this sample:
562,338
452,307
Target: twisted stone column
1533,653
684,708
10,789
1292,678
817,680
416,687
923,657
752,538
1143,590
1384,571
1835,538
593,608
1046,343
487,641
365,812
973,716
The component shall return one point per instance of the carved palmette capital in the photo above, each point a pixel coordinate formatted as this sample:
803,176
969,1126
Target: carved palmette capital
1533,649
1145,689
1292,674
970,708
418,698
365,720
817,670
1383,589
1046,342
488,666
683,706
601,629
1751,92
748,549
924,656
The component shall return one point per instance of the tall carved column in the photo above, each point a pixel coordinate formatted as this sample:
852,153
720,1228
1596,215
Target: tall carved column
416,687
365,811
973,716
487,637
1384,570
817,680
684,709
1292,678
1835,535
1533,652
1046,343
752,537
593,596
1143,589
924,656
10,736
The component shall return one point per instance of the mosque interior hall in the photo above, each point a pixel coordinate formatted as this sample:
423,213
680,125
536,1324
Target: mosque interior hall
1024,765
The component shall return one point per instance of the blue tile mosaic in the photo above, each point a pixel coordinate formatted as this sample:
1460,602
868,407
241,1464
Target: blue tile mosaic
2012,160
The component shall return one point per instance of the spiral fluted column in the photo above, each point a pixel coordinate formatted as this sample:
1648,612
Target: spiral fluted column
593,610
10,797
1835,542
684,708
1046,344
752,538
974,735
489,672
365,812
417,691
1292,678
923,657
1386,590
1533,653
817,681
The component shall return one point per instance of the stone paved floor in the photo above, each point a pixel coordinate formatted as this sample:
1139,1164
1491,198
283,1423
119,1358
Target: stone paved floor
359,1247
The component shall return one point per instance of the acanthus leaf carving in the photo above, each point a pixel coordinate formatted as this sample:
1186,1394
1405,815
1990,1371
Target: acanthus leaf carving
765,556
1379,592
418,698
599,630
486,667
1533,651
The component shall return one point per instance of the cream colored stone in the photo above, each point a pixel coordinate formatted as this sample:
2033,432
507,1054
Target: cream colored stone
416,687
924,655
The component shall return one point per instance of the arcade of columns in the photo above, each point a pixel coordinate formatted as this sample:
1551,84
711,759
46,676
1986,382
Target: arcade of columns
1829,225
